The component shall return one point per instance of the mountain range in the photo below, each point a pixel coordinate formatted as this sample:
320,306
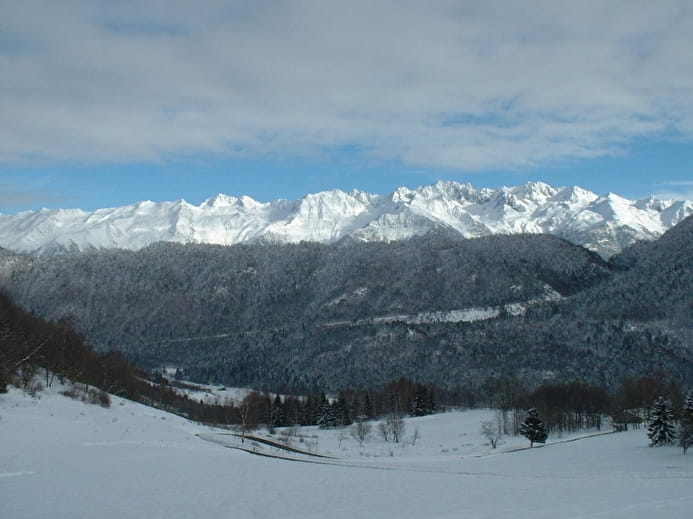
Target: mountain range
435,308
604,224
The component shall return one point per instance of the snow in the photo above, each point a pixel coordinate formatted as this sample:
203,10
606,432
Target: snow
570,212
209,394
61,458
461,315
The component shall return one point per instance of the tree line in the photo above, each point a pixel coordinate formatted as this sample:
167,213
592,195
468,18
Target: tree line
400,398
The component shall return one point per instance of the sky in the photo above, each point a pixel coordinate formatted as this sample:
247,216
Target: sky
106,103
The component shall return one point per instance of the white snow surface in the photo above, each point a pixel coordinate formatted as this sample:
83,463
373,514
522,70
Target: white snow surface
605,224
61,458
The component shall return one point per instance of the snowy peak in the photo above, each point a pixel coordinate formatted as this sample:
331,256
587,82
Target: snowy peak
221,200
537,191
605,224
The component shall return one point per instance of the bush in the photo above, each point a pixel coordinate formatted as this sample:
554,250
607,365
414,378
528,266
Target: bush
100,397
361,430
88,395
392,428
33,388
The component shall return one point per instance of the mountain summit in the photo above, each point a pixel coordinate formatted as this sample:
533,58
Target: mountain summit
605,224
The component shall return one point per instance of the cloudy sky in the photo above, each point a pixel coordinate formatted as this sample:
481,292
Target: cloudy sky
106,102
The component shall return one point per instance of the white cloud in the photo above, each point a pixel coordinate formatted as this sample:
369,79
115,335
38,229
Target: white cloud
675,190
466,85
11,198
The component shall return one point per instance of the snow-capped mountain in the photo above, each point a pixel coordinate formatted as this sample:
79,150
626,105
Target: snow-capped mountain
604,224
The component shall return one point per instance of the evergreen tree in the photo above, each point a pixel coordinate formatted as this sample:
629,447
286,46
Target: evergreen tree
686,427
533,428
368,407
326,418
3,375
430,401
661,429
310,410
417,405
423,402
341,411
277,415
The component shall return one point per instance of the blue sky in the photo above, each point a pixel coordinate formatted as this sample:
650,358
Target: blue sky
108,103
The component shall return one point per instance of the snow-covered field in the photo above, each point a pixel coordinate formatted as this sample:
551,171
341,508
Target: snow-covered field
60,458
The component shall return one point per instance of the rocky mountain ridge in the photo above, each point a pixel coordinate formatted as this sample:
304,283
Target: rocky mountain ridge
604,224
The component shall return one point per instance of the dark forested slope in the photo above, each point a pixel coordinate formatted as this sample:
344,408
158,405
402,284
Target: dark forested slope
165,291
326,316
651,281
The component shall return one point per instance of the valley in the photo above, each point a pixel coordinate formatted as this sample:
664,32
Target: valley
321,317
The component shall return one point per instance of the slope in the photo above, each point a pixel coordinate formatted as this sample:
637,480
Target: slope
328,317
652,281
169,291
61,458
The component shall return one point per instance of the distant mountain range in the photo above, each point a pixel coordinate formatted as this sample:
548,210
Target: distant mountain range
604,224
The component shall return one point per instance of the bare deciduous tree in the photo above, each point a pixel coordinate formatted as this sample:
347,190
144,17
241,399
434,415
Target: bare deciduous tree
361,430
393,428
244,411
415,436
398,428
384,431
491,432
341,436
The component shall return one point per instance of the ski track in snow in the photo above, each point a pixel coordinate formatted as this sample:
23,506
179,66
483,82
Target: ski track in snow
280,453
17,474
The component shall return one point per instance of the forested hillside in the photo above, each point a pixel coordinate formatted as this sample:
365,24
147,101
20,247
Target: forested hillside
170,291
312,316
652,281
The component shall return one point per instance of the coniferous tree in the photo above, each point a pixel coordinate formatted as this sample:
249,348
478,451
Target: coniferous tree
423,402
686,427
326,418
310,410
430,401
417,405
533,428
277,415
341,411
661,429
3,375
367,404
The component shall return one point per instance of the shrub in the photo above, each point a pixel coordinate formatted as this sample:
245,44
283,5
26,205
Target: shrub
88,395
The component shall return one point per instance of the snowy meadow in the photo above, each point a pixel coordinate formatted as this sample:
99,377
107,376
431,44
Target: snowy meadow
62,458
